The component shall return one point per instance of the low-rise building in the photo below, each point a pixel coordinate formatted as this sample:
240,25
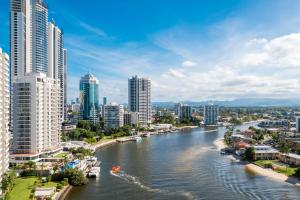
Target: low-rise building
161,127
263,152
290,158
68,127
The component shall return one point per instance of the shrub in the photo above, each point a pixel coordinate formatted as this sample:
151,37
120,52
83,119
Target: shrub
57,177
76,177
59,187
28,173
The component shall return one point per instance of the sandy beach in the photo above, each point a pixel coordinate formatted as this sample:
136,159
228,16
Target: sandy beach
220,144
101,144
271,174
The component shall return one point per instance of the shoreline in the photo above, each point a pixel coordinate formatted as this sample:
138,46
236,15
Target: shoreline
269,173
220,143
102,144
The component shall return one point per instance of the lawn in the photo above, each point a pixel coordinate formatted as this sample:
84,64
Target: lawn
61,155
22,189
263,163
289,171
279,167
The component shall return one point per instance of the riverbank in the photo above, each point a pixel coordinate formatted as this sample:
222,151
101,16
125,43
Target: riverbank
271,174
220,143
103,143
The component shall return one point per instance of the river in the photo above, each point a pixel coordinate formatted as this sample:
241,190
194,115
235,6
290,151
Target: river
183,165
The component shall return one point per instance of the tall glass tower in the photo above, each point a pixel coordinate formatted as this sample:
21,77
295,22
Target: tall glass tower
89,98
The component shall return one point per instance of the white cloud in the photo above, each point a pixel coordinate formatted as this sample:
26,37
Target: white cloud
99,32
235,65
188,63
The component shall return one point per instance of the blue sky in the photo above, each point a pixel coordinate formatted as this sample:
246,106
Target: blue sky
190,49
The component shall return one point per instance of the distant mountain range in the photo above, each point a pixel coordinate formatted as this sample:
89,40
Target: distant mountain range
243,102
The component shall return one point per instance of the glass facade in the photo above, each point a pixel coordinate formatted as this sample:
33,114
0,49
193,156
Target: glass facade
89,98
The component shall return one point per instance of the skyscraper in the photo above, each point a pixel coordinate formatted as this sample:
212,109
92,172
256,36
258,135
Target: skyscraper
65,82
4,112
89,98
57,62
183,111
113,115
35,59
139,98
211,113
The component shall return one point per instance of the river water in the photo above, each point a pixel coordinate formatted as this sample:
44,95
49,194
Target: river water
183,165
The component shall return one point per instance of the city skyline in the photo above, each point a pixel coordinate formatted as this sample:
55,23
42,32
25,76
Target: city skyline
222,45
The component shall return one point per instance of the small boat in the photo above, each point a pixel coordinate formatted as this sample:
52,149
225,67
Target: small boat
94,172
137,138
116,169
145,135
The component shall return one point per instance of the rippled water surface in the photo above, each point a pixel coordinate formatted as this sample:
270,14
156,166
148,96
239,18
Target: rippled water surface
183,165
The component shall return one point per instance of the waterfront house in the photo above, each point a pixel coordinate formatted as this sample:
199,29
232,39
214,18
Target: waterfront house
290,158
264,152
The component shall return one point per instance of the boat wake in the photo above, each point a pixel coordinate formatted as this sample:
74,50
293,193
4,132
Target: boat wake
135,180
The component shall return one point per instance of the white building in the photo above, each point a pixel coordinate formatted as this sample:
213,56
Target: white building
36,113
36,125
131,118
57,62
113,116
211,114
139,98
4,112
75,107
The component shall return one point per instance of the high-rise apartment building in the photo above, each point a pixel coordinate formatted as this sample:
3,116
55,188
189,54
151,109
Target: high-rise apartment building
57,62
89,98
183,111
139,98
4,112
65,67
36,125
113,115
211,113
36,61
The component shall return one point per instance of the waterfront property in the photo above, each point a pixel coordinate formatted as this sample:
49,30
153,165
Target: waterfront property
211,114
139,98
263,152
290,158
113,116
36,76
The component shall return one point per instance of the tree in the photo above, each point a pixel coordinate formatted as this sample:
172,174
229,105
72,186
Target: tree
31,165
284,147
8,180
55,167
75,177
84,124
297,172
249,153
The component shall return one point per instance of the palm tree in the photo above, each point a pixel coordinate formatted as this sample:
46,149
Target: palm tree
31,165
55,167
42,167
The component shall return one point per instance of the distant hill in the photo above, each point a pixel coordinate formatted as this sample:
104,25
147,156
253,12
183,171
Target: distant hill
243,102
